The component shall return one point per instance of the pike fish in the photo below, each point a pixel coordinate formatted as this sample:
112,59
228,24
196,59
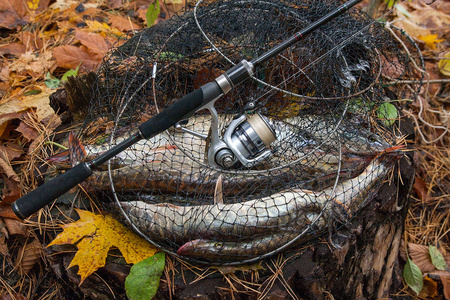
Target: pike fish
280,211
161,164
213,250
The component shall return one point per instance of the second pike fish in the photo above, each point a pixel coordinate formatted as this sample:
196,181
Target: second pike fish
281,211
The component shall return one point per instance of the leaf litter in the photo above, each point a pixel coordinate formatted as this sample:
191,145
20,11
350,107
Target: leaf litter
52,39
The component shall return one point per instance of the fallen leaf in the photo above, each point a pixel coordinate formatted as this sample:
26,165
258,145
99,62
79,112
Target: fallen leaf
8,170
96,26
12,48
122,23
10,151
31,40
29,255
13,13
412,28
413,276
3,236
430,40
429,288
70,57
144,277
446,286
10,191
27,131
19,106
94,42
96,234
33,64
421,256
15,227
421,189
444,64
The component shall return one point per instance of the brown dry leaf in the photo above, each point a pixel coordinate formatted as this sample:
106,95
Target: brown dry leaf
10,192
30,40
34,64
431,18
10,151
13,13
446,285
122,23
3,236
421,189
429,288
5,166
420,255
15,227
70,57
27,131
12,48
19,106
29,255
412,28
95,43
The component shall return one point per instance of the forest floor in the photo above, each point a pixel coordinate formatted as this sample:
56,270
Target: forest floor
44,41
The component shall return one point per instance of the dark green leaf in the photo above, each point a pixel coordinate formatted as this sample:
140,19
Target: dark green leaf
32,92
143,280
387,113
413,276
437,258
152,13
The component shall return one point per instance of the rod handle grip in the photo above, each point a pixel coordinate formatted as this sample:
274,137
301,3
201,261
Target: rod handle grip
46,193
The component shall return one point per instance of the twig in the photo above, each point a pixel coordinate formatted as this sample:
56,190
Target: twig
418,81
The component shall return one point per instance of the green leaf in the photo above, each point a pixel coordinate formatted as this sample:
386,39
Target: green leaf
51,81
143,280
437,258
413,276
387,113
152,13
69,73
32,92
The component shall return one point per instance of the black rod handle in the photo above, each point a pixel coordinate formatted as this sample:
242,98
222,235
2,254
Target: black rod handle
46,193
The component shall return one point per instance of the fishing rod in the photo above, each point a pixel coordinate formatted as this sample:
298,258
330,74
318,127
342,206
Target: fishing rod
251,139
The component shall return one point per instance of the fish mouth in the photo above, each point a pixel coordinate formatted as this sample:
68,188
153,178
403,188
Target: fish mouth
187,249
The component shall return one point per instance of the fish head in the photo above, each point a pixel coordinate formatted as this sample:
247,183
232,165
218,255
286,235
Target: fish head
363,142
199,248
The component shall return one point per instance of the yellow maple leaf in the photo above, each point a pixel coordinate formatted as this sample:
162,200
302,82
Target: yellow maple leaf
102,28
96,235
430,40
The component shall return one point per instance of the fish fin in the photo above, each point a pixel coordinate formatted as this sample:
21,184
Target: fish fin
59,158
218,191
77,152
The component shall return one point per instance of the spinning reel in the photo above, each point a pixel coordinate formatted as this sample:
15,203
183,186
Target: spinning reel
247,139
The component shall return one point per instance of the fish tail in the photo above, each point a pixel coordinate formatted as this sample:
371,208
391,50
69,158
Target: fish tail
77,152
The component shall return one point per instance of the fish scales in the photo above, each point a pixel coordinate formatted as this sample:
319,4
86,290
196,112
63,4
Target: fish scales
161,221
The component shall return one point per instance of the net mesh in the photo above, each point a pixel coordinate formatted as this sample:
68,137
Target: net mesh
324,99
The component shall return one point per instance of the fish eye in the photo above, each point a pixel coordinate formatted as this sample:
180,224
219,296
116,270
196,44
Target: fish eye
372,138
218,245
